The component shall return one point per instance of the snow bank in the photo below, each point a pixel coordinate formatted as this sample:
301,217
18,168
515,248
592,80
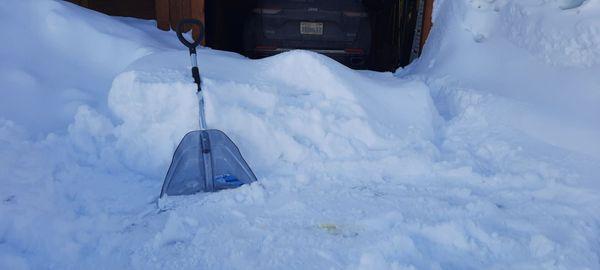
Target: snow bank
307,105
567,37
535,53
56,57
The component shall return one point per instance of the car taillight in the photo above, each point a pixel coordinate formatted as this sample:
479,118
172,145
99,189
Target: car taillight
268,11
354,51
354,14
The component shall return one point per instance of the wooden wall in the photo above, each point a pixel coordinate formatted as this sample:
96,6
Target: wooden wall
427,23
169,12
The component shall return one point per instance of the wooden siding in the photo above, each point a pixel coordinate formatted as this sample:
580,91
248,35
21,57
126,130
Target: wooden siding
427,23
169,12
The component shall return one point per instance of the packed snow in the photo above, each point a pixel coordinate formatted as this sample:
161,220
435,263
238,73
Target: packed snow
482,154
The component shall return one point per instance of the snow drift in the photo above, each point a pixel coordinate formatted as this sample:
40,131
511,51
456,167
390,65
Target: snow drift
57,56
543,55
325,112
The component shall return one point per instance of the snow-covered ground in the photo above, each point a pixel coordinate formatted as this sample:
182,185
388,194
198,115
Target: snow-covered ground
483,154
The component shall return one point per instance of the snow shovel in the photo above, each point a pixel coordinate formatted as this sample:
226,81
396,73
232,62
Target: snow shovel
206,160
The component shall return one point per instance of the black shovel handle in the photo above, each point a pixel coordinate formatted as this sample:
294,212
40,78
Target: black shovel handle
180,26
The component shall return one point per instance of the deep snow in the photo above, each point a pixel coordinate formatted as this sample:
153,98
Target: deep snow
544,59
483,154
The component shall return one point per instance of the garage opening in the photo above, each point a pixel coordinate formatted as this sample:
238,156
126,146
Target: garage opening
393,39
394,26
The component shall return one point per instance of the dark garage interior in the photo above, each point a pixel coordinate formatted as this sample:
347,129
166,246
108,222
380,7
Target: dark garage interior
392,29
395,24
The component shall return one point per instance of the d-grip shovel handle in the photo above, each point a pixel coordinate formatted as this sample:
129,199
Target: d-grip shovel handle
191,45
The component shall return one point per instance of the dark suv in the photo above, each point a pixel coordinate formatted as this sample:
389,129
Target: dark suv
339,29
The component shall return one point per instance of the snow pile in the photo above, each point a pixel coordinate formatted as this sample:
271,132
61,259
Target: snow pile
328,117
474,157
57,56
567,37
543,54
59,60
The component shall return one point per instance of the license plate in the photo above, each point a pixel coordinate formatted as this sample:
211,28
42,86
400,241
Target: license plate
311,28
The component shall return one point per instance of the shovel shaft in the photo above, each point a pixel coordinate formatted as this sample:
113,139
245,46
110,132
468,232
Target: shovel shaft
201,110
194,60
